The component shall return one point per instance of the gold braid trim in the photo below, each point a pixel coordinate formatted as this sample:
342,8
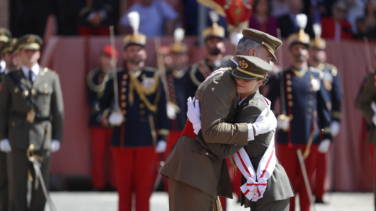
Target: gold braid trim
140,92
163,132
337,114
94,87
192,75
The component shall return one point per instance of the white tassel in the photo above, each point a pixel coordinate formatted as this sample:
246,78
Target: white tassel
134,20
301,20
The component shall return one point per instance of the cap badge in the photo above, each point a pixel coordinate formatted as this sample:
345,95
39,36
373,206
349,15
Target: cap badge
243,64
30,40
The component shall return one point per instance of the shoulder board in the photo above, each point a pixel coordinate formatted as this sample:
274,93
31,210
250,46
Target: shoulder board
318,71
332,68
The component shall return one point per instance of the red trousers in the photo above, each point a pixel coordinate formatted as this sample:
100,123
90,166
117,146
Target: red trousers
321,175
101,31
289,160
133,169
173,137
102,160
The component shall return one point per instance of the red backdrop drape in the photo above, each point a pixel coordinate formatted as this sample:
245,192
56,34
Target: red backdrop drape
73,57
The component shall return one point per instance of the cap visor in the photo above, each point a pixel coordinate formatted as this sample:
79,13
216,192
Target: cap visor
237,74
274,58
31,46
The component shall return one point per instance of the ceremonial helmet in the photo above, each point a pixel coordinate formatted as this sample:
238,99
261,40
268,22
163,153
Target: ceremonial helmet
215,30
318,42
136,38
5,35
178,47
301,36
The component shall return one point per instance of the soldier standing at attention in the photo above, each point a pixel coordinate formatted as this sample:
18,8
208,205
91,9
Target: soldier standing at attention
7,55
303,101
101,131
366,104
142,112
332,85
215,48
31,113
176,89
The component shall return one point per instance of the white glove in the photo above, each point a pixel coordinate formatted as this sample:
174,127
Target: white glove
235,37
374,119
171,112
161,146
115,118
324,146
265,124
283,124
5,146
334,126
55,145
194,114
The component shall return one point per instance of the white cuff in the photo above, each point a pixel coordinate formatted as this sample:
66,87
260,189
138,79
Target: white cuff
251,135
374,119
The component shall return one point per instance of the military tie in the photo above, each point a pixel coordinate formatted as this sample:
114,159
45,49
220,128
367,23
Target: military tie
31,76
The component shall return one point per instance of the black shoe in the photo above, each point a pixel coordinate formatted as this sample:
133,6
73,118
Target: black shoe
319,201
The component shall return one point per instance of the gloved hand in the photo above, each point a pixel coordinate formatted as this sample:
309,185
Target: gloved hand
161,146
374,119
55,145
334,126
115,118
324,146
315,84
194,114
283,124
265,124
5,146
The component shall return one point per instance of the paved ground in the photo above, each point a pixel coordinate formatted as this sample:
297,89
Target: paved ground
94,201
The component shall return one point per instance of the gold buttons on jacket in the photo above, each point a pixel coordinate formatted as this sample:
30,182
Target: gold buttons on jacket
142,112
16,90
310,103
123,97
123,104
207,153
33,91
289,89
25,93
142,105
291,103
289,96
310,96
13,124
123,89
289,82
123,83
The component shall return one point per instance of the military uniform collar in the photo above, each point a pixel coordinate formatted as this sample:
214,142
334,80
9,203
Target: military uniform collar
245,101
34,68
300,73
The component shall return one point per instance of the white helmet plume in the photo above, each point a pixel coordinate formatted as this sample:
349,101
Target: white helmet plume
317,29
134,20
179,34
301,20
214,16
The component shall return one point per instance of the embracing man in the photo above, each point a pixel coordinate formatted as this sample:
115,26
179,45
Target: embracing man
196,168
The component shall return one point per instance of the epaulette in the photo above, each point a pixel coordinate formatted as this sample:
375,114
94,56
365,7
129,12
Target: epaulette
316,70
332,68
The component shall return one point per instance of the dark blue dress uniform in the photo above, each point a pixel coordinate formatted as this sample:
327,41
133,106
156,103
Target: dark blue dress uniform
100,135
301,100
143,104
176,91
96,81
333,88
